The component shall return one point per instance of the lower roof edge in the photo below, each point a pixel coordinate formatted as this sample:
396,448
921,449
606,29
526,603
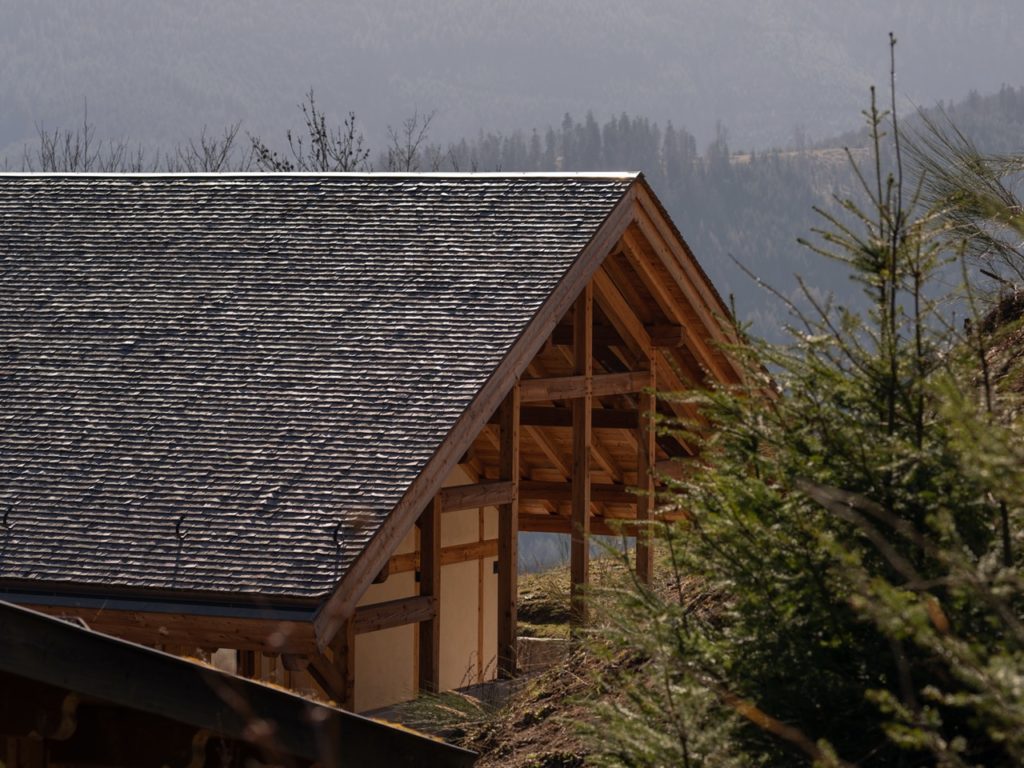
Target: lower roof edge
242,606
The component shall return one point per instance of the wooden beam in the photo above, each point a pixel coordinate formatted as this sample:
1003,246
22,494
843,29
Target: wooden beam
294,663
625,319
508,536
475,495
684,310
604,336
393,613
154,628
661,335
332,681
582,439
430,587
646,456
622,316
553,416
342,602
684,267
343,656
600,493
245,663
579,386
456,553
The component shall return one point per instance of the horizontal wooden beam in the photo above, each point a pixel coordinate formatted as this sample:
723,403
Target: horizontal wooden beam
552,416
457,553
575,387
476,495
394,613
602,493
169,629
661,335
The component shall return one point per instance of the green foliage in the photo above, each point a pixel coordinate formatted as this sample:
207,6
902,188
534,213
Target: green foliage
857,530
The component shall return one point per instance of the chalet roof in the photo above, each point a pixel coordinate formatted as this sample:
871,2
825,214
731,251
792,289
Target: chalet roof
226,383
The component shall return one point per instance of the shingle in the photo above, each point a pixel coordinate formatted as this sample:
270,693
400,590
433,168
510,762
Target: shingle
226,383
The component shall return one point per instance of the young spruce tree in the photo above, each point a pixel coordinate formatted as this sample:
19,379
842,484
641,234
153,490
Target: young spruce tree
846,590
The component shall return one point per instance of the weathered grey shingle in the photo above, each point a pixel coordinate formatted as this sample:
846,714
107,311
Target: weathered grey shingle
226,383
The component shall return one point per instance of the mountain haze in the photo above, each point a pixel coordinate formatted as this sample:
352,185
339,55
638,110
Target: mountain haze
159,71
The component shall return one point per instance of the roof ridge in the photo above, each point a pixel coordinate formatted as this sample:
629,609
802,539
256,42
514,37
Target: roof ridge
608,175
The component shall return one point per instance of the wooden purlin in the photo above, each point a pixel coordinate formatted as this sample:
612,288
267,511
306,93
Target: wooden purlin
582,439
599,526
600,493
508,535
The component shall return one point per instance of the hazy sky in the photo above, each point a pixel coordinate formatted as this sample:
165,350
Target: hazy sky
160,71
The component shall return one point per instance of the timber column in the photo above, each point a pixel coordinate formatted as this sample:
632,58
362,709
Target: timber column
645,439
430,586
582,440
508,536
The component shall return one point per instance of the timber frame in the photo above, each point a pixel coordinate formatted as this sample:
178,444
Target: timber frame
561,438
634,313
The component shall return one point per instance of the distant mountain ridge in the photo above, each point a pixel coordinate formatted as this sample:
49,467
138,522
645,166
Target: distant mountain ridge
160,71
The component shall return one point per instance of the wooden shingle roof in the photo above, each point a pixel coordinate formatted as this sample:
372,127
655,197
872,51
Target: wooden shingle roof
225,384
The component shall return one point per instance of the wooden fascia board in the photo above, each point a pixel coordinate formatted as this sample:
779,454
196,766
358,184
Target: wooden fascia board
650,204
340,604
195,631
688,274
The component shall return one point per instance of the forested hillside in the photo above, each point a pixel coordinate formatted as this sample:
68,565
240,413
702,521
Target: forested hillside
733,207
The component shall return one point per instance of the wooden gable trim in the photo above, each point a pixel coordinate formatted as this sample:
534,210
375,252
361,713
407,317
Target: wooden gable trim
678,259
341,603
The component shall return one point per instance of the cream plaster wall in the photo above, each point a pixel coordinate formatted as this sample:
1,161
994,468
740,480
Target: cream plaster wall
386,660
385,666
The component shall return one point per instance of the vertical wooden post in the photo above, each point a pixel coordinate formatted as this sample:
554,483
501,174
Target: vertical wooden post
646,406
245,663
582,438
430,584
508,536
343,652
